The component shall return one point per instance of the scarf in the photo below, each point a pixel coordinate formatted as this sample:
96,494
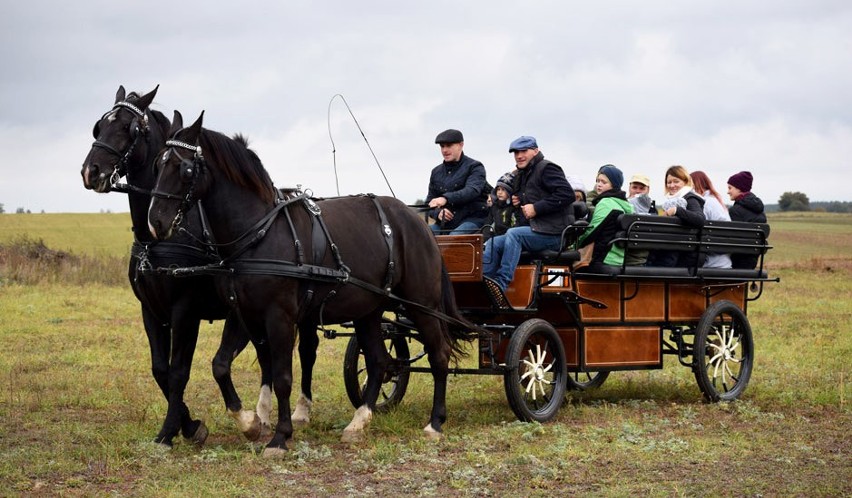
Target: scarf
676,199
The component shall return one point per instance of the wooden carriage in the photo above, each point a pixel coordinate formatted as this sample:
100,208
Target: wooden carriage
559,326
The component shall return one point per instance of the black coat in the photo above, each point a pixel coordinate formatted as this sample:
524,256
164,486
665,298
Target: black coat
464,186
748,208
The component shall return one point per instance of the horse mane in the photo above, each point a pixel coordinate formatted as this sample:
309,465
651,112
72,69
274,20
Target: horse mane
238,163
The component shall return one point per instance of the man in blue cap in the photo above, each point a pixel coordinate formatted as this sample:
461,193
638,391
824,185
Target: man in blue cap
457,188
543,195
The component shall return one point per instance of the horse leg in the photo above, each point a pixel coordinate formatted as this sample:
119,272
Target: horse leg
368,330
438,351
308,343
281,332
234,340
159,342
184,338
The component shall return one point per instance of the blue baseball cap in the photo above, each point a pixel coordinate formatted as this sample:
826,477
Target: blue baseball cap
523,143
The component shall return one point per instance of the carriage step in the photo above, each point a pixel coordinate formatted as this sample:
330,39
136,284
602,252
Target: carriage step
498,297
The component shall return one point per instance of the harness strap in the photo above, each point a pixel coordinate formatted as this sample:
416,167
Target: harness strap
388,236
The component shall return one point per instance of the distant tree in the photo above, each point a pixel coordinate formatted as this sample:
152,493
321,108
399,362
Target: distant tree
794,201
19,211
1,208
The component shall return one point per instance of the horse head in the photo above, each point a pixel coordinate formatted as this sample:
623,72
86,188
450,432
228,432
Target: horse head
121,136
181,178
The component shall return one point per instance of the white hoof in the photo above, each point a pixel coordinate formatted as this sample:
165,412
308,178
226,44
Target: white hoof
431,433
248,423
354,432
274,452
302,414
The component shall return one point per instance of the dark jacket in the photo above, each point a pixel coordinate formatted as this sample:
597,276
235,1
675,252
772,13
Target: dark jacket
693,216
463,183
501,217
543,184
748,207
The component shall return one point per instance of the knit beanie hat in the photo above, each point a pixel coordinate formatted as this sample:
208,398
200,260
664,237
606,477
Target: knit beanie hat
741,180
615,176
506,181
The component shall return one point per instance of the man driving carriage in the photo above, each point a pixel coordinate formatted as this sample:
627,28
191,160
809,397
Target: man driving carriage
457,188
543,195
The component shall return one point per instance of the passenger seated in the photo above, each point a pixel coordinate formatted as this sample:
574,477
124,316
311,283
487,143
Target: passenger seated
502,215
610,202
543,196
688,207
640,195
747,207
714,210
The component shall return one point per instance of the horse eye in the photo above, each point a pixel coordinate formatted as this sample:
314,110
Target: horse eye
166,155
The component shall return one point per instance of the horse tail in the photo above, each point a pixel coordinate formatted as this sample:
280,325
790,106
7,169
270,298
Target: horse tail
462,330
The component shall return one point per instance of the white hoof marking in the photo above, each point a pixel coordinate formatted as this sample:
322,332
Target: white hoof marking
355,430
264,405
302,414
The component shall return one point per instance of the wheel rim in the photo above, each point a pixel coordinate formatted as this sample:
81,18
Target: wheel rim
537,375
726,354
389,387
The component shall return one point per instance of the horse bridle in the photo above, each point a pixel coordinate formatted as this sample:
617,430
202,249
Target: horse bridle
136,132
189,171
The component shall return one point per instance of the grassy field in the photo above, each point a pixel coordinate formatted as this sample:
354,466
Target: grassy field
79,406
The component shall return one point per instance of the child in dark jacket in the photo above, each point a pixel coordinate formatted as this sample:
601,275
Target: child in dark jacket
502,215
747,207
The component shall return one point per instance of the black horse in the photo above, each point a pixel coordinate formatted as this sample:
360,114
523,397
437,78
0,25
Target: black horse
292,261
127,140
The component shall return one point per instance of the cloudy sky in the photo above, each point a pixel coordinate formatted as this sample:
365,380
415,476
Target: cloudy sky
719,86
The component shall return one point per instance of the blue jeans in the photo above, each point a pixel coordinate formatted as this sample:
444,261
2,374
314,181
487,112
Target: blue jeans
466,227
503,252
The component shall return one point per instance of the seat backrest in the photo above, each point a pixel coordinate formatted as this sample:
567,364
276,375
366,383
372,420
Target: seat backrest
735,237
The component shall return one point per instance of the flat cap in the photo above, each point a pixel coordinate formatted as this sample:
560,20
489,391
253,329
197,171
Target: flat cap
523,143
449,137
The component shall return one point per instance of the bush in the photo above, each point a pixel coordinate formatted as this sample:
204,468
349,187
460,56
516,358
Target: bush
28,261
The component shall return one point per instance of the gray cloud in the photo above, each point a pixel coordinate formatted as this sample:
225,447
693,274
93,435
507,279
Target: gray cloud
719,86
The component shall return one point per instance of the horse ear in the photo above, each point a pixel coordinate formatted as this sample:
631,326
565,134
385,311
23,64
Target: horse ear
177,124
119,95
195,128
146,99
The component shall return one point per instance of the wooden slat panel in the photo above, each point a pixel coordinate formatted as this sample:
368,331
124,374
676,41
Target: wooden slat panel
604,292
571,342
622,346
648,304
520,290
462,256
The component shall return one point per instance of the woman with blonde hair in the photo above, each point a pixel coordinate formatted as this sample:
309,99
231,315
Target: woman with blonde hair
680,201
715,210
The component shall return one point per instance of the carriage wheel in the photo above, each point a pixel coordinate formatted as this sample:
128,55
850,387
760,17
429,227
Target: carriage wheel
396,379
536,371
581,381
723,353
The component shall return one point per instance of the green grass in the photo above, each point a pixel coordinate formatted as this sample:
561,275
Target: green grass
79,407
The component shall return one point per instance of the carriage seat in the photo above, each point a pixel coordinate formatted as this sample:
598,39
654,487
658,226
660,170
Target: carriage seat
577,224
644,232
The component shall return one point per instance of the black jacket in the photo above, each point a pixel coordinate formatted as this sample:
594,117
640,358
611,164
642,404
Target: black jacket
463,183
748,208
543,184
